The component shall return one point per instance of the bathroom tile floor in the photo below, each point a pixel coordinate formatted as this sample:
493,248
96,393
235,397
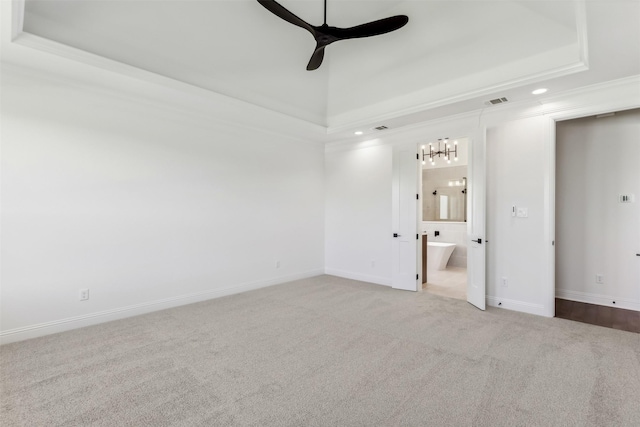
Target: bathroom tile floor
451,283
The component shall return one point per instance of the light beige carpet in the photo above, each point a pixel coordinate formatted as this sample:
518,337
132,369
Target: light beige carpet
326,352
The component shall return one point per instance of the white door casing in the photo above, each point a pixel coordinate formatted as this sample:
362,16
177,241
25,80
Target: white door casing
476,225
405,219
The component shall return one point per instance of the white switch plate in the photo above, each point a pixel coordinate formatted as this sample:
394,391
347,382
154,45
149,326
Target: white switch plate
523,212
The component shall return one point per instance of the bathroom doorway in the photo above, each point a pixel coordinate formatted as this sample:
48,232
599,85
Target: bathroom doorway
443,222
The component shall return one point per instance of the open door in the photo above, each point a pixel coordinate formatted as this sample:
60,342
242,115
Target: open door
476,254
405,219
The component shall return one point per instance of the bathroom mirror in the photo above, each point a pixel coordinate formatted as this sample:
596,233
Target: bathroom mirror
444,194
450,204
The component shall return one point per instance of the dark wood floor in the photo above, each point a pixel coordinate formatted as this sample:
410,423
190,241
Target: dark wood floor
609,317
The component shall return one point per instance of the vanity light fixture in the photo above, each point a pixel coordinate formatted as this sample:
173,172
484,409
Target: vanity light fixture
458,183
539,91
446,152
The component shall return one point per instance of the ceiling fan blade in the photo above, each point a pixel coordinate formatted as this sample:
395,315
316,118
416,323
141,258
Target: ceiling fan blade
316,58
278,10
374,28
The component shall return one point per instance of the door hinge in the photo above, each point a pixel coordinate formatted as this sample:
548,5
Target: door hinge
417,197
417,277
417,236
417,156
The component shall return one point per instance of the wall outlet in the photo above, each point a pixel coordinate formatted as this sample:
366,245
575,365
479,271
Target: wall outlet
599,278
504,282
83,294
523,212
277,264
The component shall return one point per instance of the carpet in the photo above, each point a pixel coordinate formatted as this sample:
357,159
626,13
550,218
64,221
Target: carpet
325,351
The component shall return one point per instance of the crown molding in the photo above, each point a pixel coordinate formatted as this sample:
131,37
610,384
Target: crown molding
406,105
615,95
87,71
17,17
372,117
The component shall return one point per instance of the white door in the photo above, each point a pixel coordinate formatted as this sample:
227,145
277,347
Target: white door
476,255
405,219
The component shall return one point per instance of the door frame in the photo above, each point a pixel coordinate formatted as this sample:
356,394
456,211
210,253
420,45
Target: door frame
474,136
550,199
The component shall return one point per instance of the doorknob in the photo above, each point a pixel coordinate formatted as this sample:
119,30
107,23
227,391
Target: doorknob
396,235
479,241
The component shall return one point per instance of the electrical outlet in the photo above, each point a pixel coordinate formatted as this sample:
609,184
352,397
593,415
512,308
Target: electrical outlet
84,294
523,212
277,264
504,282
599,279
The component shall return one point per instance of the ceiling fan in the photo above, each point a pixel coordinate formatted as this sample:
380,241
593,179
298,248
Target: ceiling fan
325,35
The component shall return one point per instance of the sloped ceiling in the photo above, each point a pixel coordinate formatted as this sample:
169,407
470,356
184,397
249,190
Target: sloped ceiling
450,52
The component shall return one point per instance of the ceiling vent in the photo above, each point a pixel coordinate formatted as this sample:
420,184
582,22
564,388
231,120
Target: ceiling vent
381,127
497,101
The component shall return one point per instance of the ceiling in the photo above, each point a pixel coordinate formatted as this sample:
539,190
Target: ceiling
452,56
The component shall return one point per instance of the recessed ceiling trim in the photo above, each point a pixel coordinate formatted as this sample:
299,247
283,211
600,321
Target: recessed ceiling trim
17,18
581,31
49,46
617,95
364,117
351,119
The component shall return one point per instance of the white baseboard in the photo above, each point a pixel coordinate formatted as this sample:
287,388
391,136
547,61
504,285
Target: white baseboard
524,307
61,325
386,281
598,299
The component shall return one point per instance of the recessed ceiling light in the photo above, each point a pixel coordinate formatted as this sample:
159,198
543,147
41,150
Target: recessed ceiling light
358,132
539,91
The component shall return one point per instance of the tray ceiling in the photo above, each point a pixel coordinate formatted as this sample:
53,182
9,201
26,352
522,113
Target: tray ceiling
449,52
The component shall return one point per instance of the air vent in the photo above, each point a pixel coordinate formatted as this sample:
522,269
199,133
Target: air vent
381,127
497,101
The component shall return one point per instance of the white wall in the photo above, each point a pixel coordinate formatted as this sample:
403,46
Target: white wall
358,213
150,207
517,247
598,159
144,206
518,172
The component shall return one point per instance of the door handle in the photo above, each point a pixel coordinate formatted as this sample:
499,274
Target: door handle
396,235
479,241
